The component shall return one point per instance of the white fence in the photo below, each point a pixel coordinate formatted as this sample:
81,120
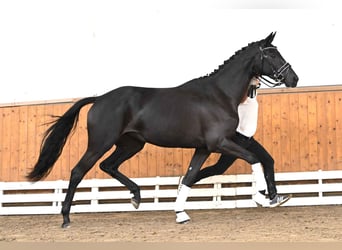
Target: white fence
159,193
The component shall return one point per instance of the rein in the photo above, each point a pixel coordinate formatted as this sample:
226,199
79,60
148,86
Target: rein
269,83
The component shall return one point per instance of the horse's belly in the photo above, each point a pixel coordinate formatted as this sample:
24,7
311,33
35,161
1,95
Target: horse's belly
175,138
177,144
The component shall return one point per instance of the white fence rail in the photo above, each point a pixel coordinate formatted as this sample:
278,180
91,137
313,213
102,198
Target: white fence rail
159,193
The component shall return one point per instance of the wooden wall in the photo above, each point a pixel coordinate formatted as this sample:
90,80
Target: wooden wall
301,128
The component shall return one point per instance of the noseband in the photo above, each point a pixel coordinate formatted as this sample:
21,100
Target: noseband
278,74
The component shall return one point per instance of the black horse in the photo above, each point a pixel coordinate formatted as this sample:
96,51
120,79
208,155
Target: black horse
201,114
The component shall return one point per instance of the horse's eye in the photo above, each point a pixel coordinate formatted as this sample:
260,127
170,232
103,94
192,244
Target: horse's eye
272,54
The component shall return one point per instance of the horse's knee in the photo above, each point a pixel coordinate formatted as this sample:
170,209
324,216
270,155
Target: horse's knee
252,159
104,167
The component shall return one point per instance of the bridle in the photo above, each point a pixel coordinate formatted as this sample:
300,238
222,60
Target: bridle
278,74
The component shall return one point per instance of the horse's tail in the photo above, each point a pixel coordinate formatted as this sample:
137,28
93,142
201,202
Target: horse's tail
55,138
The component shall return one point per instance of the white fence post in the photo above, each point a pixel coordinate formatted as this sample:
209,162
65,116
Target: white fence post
156,190
320,183
1,195
94,192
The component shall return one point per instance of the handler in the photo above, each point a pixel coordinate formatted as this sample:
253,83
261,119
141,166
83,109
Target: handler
264,170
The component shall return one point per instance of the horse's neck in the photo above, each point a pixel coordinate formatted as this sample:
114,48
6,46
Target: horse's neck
234,83
231,80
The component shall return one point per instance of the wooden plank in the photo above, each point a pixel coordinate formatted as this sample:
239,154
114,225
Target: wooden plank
285,134
6,149
160,163
177,162
259,135
294,132
14,144
284,90
238,167
312,131
266,126
32,146
168,158
152,161
276,130
322,132
303,129
187,154
331,131
2,170
338,115
143,162
23,142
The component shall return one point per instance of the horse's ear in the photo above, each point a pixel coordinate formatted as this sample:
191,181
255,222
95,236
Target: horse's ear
269,38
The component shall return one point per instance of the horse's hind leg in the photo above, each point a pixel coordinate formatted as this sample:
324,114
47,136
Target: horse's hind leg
79,171
126,148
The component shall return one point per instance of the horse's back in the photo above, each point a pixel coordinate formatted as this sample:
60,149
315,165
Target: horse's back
117,104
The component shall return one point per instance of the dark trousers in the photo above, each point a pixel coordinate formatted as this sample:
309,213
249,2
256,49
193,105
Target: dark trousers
254,147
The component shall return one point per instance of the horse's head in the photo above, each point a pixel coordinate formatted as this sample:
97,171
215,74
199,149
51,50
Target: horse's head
274,66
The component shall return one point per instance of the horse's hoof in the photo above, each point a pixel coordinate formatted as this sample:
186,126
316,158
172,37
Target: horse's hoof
66,225
182,218
135,203
183,222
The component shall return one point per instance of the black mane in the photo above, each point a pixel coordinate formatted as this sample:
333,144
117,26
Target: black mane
228,61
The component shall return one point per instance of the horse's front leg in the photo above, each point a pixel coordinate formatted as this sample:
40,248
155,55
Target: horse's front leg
197,161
